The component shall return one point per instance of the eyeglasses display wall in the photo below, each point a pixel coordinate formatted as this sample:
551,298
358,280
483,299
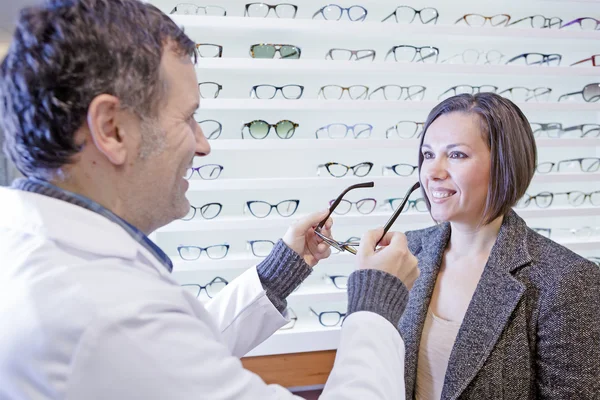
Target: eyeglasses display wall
302,100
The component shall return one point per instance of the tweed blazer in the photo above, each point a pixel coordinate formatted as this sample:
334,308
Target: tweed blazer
532,328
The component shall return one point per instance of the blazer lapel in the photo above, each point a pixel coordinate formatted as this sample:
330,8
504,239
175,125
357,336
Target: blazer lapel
494,301
411,324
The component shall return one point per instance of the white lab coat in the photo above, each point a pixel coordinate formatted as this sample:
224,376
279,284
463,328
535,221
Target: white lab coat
87,313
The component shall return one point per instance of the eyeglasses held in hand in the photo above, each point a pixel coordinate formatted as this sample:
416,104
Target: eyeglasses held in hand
539,21
472,56
536,59
468,89
333,12
588,164
291,315
407,53
335,92
212,288
212,129
351,247
209,90
192,253
261,248
348,55
340,131
585,23
262,209
207,50
262,10
192,9
590,93
329,318
264,92
405,130
339,281
480,20
338,170
207,211
406,15
363,206
594,60
266,50
259,129
397,92
206,172
399,169
523,94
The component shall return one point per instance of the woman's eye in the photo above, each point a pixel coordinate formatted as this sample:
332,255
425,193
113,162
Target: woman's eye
457,154
427,155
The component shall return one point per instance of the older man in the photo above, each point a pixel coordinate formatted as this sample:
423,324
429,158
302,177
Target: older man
98,100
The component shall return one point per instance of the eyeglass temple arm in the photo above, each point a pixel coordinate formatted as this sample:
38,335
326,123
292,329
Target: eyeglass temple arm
582,61
570,94
391,221
339,199
389,16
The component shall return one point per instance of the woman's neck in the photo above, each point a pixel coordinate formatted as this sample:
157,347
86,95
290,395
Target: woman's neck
469,240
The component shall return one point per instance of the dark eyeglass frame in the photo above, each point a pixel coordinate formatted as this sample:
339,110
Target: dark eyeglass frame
270,7
274,126
342,317
348,168
548,22
578,21
530,92
219,87
417,132
342,9
197,169
200,7
218,46
202,211
273,206
410,203
215,133
277,48
251,244
474,89
534,198
546,127
417,50
416,12
350,247
581,127
579,193
464,18
349,128
592,99
216,279
546,58
276,89
595,59
203,249
334,279
409,96
394,168
594,166
372,54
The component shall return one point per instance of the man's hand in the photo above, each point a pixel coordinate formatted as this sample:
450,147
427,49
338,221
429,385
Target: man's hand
393,256
301,238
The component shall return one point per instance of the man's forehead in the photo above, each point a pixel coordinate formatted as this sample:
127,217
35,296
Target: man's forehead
180,77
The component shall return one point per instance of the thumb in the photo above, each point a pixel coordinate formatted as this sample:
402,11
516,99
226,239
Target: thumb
303,224
369,241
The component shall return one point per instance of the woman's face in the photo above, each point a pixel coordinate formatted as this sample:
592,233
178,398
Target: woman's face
456,168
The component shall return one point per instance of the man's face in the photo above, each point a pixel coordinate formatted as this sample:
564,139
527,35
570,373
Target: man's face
169,145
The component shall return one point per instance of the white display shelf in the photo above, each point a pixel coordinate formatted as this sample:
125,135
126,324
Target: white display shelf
245,261
325,67
369,105
374,219
371,29
342,183
312,337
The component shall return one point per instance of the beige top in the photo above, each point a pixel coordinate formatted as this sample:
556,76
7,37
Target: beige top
437,341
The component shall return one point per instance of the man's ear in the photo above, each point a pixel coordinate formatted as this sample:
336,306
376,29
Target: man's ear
106,131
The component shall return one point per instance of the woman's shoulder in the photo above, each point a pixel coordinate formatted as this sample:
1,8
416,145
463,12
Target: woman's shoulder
419,236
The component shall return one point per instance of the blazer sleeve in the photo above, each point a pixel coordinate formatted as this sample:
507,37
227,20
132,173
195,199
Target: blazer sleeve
568,347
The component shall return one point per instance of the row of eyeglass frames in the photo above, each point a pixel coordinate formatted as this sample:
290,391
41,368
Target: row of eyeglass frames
402,15
590,92
399,53
285,129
